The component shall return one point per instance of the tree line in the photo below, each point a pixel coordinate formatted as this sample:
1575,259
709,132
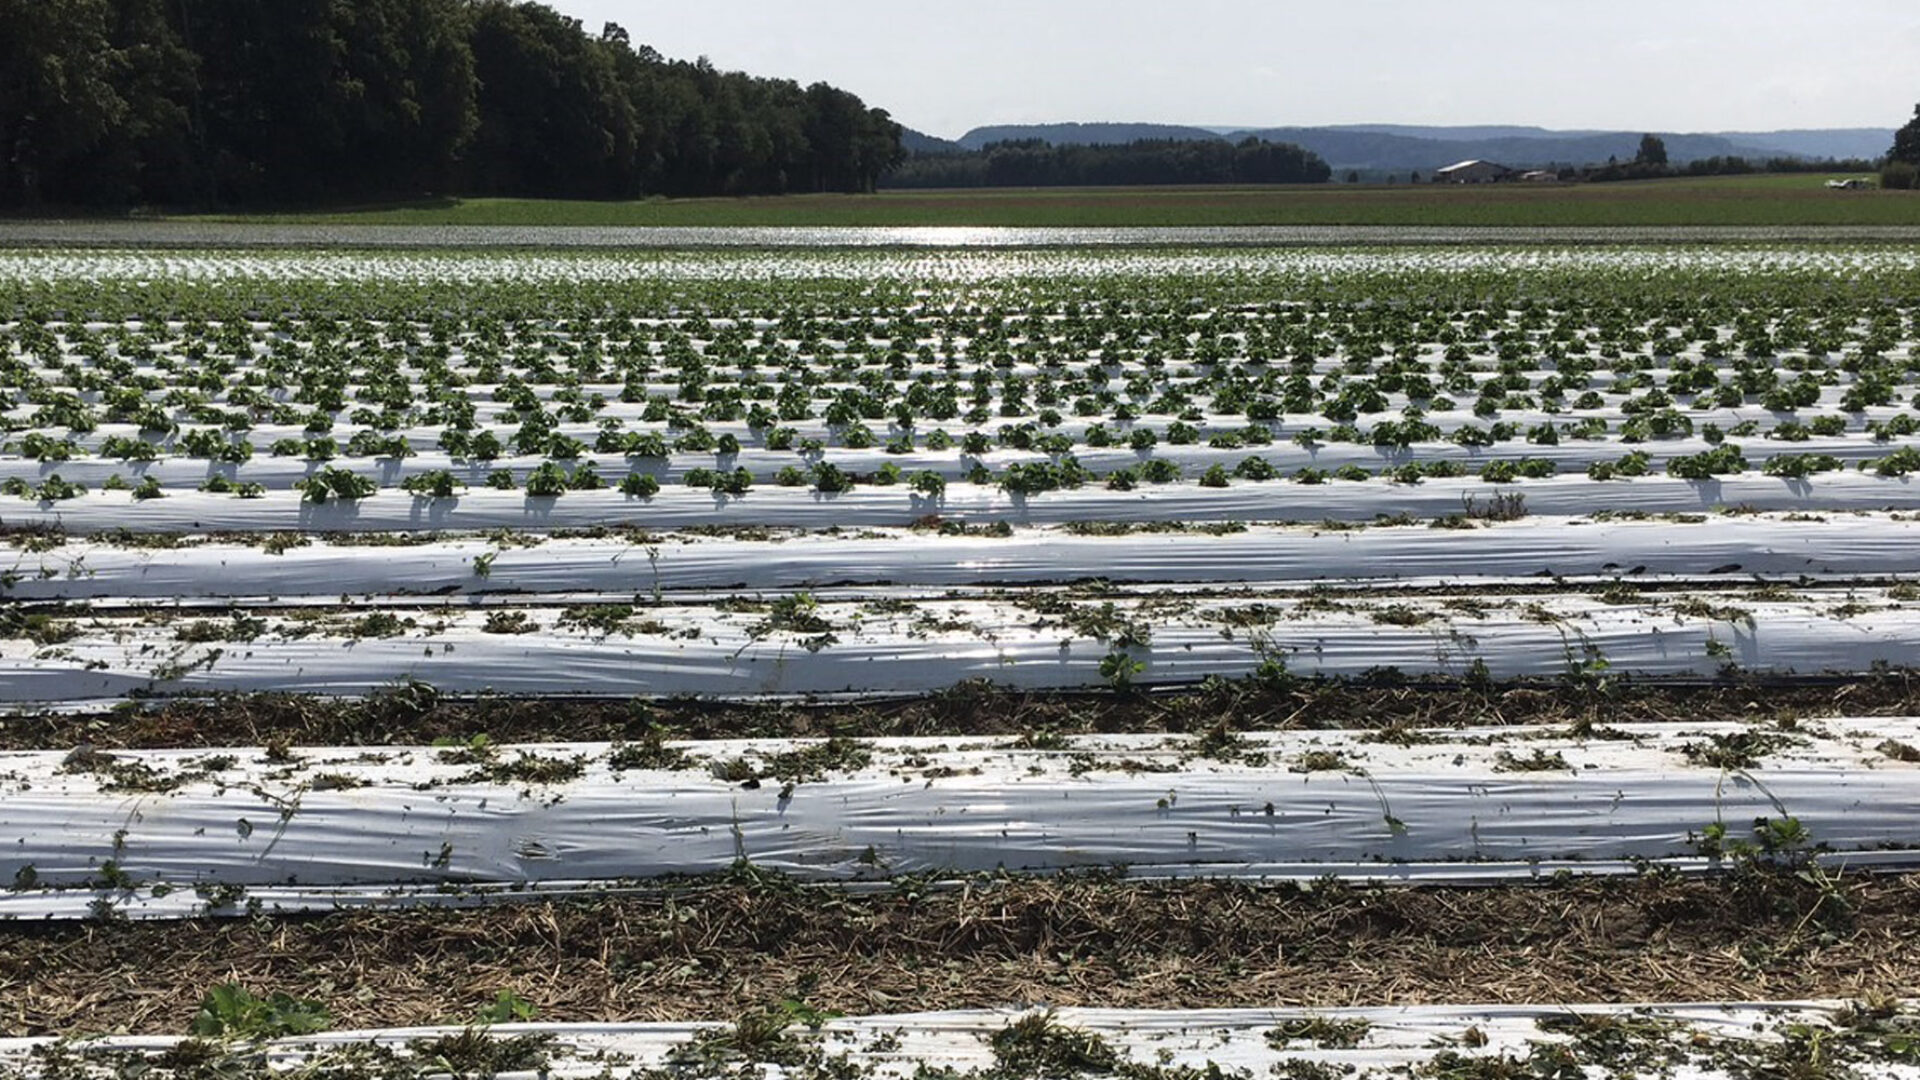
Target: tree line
1650,163
1037,163
255,102
1728,165
1902,169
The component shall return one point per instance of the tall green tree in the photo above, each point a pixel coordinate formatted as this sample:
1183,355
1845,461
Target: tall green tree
850,145
148,155
1906,141
245,102
322,99
1653,151
416,107
58,101
553,119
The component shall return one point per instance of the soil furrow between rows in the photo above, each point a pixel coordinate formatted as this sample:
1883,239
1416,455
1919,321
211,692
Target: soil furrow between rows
417,715
720,948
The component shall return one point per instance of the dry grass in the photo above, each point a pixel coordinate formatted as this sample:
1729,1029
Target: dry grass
718,949
412,716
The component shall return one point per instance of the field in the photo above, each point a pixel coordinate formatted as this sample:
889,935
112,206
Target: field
1457,662
1753,201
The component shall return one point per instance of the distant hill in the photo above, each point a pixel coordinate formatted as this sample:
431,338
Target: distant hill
919,142
1462,131
1821,142
1798,142
1416,148
1088,134
1375,150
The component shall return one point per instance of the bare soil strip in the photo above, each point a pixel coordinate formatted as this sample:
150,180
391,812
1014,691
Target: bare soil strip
718,949
417,715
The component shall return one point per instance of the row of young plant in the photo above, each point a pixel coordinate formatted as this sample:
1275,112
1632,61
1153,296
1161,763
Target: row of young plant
392,364
858,370
237,1032
1046,432
52,383
1816,265
538,435
552,479
1428,355
1456,502
1018,325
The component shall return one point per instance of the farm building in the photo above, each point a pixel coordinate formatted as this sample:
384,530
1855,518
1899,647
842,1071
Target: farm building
1471,172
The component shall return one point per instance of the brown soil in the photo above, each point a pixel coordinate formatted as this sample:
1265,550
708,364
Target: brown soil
718,948
418,715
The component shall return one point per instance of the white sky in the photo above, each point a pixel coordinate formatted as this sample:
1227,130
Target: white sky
1665,65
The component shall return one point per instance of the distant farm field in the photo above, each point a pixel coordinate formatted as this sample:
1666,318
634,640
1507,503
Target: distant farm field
1741,200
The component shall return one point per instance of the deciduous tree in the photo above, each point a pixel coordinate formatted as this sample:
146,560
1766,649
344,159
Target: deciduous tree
57,98
278,101
1906,141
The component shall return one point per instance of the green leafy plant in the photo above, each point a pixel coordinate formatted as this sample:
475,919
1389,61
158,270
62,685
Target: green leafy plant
507,1007
1119,668
336,483
1038,1045
230,1011
435,484
547,480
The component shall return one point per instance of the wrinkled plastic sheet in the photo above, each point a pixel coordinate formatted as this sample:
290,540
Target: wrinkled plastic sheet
1842,546
936,641
1396,1039
1512,800
1274,500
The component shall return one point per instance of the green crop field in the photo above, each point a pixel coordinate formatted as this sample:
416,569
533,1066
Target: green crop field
1797,199
671,658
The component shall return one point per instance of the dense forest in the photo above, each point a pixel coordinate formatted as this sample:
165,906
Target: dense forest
1037,163
254,102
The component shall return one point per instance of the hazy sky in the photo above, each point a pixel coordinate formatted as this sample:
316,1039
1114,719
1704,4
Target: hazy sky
1667,65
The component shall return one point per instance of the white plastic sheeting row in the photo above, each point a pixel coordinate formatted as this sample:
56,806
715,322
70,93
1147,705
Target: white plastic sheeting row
1281,804
161,902
921,644
185,473
971,255
1275,500
1843,546
1392,1040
